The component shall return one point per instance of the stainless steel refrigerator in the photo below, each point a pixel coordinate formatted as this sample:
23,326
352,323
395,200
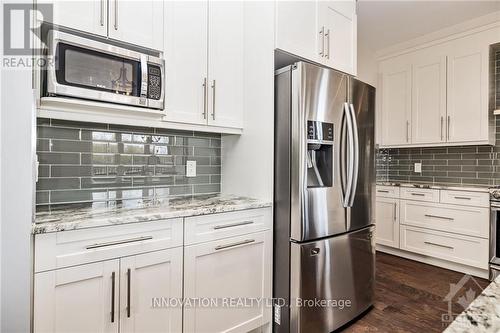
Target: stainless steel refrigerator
324,251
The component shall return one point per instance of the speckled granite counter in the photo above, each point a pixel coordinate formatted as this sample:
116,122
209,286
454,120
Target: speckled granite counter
482,315
77,217
471,188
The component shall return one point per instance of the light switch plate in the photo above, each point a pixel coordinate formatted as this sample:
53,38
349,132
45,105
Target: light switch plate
418,167
191,169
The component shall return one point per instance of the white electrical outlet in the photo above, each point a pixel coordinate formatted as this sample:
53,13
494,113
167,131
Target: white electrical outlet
418,167
191,169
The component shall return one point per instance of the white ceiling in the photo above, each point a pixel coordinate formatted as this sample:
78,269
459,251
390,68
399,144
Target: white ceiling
385,23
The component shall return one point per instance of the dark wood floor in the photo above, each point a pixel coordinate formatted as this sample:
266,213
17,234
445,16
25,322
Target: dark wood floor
409,297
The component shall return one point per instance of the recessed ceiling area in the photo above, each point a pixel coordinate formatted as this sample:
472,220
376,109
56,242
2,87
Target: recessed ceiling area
385,23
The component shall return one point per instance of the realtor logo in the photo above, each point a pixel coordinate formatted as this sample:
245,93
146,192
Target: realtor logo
21,22
461,293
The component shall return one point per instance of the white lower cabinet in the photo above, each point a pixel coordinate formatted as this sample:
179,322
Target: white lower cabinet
387,221
225,271
77,299
96,297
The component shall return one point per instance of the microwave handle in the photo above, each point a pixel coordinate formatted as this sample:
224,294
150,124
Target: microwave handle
144,76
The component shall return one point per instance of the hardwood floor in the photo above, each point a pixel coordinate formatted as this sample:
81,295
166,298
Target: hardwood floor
409,297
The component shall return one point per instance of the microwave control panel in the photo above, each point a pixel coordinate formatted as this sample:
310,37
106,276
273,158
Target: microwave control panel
154,82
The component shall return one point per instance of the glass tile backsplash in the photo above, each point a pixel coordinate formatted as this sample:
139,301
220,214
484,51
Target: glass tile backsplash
89,162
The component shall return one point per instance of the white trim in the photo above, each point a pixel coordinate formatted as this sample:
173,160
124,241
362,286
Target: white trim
470,27
482,273
78,110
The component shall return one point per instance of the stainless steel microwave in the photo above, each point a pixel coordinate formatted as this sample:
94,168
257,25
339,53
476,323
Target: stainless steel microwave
84,68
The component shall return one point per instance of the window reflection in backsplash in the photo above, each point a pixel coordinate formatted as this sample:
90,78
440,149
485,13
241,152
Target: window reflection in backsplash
101,163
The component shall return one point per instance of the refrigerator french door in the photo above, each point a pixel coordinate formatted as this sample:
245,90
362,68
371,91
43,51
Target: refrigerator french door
324,182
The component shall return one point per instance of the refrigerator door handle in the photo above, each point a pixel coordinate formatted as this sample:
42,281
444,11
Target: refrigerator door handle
356,155
350,156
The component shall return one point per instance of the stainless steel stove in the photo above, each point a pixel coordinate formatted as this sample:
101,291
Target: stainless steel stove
494,232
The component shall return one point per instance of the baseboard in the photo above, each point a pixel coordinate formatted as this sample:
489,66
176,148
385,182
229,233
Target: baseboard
474,271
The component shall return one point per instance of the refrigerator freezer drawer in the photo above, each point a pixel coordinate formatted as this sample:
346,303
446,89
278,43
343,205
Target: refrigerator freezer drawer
332,281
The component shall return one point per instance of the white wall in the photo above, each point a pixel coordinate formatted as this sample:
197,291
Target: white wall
247,160
367,65
16,198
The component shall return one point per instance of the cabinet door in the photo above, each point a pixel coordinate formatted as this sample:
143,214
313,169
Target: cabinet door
467,93
186,24
146,280
296,29
396,104
225,63
137,22
338,20
90,16
429,99
387,221
237,267
78,299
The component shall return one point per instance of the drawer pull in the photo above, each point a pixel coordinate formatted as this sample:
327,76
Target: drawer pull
463,198
382,191
223,226
246,241
125,241
113,280
418,194
440,245
439,217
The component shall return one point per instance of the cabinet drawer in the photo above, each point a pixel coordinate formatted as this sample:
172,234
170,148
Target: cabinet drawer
387,191
76,247
420,194
466,220
456,248
479,199
211,227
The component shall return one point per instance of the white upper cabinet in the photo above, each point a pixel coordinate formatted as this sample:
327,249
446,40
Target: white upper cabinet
137,22
204,56
296,29
448,84
225,63
429,99
319,31
467,93
186,63
396,103
337,22
88,15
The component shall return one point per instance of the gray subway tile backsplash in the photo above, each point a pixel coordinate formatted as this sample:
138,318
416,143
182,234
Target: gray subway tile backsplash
90,163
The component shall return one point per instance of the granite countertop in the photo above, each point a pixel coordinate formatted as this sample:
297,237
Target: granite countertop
437,186
482,315
78,217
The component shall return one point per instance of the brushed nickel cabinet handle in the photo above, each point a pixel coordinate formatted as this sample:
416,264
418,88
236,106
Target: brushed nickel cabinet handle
116,15
448,125
101,19
125,241
463,198
113,279
418,194
439,217
382,191
395,211
442,122
223,226
246,241
440,245
129,273
205,95
407,131
213,99
322,41
327,49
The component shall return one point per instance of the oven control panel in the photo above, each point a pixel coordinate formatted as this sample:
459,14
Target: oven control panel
154,82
